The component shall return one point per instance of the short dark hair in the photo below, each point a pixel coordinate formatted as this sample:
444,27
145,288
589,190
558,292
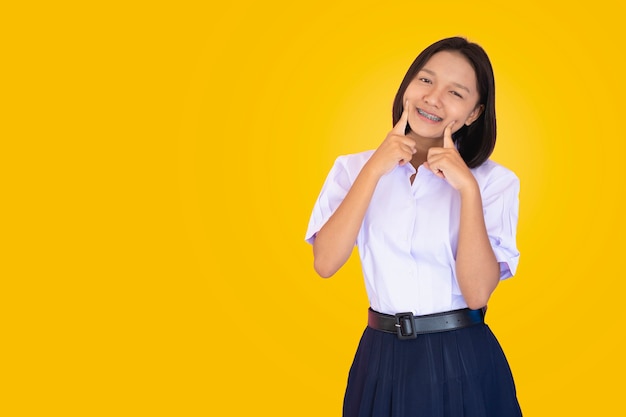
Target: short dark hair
476,141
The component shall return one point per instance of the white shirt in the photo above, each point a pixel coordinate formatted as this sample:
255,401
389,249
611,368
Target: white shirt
408,239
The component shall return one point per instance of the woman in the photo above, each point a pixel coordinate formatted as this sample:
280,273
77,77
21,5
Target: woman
434,221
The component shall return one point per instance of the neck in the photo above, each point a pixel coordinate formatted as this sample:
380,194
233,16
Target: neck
423,145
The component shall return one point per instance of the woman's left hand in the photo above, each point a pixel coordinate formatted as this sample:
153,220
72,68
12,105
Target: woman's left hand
447,163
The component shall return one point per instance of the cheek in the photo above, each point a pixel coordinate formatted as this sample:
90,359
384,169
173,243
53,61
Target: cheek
411,92
463,113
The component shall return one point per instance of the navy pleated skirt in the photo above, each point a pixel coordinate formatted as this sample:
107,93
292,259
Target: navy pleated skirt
458,373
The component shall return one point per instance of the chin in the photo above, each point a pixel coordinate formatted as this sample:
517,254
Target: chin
428,133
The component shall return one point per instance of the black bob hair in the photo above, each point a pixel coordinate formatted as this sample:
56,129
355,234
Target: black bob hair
477,141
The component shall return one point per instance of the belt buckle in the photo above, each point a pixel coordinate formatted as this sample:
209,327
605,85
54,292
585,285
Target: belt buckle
405,326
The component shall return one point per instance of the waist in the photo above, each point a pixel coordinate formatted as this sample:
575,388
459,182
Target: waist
408,326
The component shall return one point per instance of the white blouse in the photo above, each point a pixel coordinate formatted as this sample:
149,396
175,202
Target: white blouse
407,242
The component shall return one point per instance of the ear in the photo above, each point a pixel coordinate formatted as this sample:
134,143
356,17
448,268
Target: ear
475,114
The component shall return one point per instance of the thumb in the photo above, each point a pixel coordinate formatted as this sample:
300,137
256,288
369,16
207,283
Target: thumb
447,136
400,127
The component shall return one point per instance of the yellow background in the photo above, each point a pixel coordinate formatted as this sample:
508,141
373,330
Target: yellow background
160,161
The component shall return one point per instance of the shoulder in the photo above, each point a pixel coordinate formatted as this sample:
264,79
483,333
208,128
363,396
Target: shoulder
352,163
491,171
355,158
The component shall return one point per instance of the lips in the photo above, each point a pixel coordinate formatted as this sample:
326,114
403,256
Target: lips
429,116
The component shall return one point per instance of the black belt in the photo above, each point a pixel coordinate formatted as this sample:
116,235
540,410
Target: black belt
408,326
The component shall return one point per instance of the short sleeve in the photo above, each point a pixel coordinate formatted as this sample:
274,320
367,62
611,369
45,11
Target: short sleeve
334,190
501,209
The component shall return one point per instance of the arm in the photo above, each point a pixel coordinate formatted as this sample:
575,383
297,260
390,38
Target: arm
334,242
477,269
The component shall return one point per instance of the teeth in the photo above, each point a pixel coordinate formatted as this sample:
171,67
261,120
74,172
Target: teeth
429,116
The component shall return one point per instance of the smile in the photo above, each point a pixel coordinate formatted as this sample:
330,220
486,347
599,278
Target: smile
429,116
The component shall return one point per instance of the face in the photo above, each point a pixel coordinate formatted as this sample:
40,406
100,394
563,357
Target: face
444,90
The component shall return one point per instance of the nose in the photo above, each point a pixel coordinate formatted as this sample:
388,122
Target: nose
432,97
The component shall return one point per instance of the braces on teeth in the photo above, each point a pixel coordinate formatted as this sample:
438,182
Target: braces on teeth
429,116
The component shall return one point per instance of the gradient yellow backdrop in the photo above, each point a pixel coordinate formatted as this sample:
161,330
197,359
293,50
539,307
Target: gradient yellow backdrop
160,161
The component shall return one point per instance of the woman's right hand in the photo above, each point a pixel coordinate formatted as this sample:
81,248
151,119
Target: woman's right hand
396,149
334,242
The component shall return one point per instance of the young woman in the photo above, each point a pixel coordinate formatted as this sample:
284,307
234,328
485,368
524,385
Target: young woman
435,222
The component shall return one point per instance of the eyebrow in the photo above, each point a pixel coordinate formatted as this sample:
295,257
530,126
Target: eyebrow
455,84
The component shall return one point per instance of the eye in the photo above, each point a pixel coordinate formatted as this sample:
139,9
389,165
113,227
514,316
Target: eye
425,80
454,93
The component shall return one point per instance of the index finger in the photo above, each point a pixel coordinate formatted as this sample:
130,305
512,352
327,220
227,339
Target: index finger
400,127
447,136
